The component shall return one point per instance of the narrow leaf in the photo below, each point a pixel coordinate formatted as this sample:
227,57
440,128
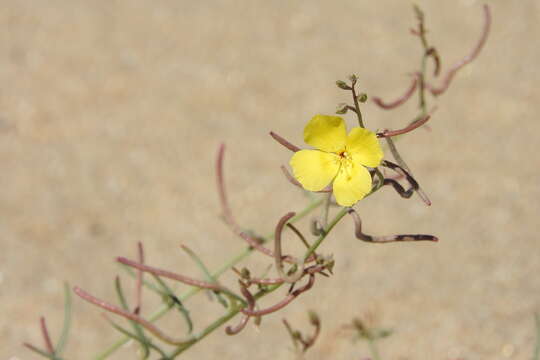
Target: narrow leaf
138,329
67,320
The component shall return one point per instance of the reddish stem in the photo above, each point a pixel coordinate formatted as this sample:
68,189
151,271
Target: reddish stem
170,275
287,300
243,322
467,59
128,315
277,252
313,269
284,142
138,289
46,337
400,100
33,348
227,213
414,125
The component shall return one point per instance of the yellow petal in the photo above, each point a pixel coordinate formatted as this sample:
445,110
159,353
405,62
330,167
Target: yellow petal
352,183
364,148
326,133
314,169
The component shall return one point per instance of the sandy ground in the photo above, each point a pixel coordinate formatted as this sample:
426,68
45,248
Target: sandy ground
110,116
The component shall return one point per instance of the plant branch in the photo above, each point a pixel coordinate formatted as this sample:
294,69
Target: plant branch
412,126
164,309
467,59
286,301
138,288
245,318
284,142
403,169
128,315
400,100
277,253
356,104
385,239
46,337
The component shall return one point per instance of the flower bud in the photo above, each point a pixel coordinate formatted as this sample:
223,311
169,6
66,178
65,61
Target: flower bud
342,85
362,97
245,274
341,108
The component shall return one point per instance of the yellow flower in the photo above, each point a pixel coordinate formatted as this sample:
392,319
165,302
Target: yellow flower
338,158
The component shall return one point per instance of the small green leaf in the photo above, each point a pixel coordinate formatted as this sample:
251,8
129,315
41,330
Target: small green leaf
67,320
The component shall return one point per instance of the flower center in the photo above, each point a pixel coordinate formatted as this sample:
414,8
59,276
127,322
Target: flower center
344,155
346,163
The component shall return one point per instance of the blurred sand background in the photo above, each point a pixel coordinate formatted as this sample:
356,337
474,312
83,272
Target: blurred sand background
111,113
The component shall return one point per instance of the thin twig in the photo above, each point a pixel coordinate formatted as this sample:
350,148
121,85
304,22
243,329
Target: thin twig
400,100
133,336
403,169
313,269
128,315
277,253
171,300
287,300
385,239
138,329
226,210
39,351
62,340
399,189
356,104
284,142
170,275
467,59
138,289
299,234
414,125
46,337
243,322
205,270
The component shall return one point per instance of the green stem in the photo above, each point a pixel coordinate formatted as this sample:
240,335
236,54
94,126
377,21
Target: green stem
67,320
216,324
232,262
221,321
357,106
326,231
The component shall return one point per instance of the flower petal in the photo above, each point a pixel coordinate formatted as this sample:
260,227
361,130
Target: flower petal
364,148
352,183
326,133
314,169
